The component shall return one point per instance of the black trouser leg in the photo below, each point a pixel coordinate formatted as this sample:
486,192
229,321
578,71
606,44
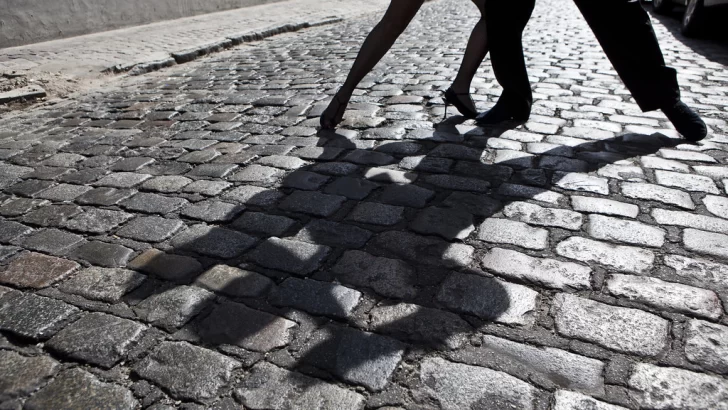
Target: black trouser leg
625,32
506,20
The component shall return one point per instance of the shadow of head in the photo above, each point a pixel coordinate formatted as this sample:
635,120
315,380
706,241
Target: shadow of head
297,277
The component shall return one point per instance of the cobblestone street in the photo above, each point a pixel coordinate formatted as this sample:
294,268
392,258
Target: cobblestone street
187,239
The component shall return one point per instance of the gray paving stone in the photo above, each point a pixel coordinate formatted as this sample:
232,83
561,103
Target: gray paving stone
688,182
282,161
10,230
705,345
354,356
104,284
104,254
231,281
63,192
83,341
426,250
529,192
235,324
186,371
568,400
29,187
622,329
604,206
318,298
698,272
505,231
575,181
208,188
458,386
480,205
388,277
323,232
312,203
352,188
122,180
33,317
271,387
95,220
51,241
622,172
212,211
173,308
51,215
263,224
546,272
715,172
425,163
296,257
667,387
79,389
257,174
150,229
20,206
213,241
252,195
458,183
104,196
658,193
21,375
665,295
538,215
619,230
420,325
406,195
619,257
35,270
176,268
710,243
489,298
153,203
166,183
445,222
561,368
717,205
690,220
304,180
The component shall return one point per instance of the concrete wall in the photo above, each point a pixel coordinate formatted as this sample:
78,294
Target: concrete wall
33,21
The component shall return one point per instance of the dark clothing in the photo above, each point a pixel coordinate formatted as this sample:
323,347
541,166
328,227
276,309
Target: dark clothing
622,27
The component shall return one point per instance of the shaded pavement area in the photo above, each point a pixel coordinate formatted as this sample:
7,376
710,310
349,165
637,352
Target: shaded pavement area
188,239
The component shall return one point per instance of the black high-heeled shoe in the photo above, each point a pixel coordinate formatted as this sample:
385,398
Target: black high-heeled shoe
332,122
452,98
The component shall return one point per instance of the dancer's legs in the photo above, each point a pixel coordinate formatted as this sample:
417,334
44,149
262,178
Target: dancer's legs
475,53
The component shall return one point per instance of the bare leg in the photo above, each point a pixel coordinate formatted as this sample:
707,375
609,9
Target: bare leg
377,44
474,55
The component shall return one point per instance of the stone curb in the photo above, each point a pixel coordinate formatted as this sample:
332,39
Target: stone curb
190,54
25,93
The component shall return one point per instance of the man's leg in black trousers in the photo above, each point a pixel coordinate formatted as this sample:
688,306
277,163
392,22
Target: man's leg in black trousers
625,32
506,20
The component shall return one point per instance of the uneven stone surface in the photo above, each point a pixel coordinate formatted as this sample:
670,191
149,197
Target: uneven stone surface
621,258
666,387
457,386
187,371
617,230
21,375
622,329
83,339
79,389
707,345
270,387
568,400
547,272
35,270
315,297
31,316
231,281
504,231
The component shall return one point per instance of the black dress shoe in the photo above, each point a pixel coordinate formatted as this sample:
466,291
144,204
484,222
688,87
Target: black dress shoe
503,112
686,121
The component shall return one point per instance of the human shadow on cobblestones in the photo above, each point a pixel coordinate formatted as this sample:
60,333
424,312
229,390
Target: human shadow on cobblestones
417,278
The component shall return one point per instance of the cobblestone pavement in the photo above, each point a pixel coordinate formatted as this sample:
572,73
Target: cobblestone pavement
189,240
89,55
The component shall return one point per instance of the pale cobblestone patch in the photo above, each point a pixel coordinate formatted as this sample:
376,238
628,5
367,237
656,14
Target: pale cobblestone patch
619,257
568,400
618,230
657,193
667,387
604,206
538,215
622,329
514,233
688,182
547,272
665,295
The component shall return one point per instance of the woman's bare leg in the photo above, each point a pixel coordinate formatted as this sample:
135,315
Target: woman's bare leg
396,19
475,53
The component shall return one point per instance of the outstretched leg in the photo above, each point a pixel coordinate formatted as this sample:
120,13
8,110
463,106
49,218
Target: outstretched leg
633,49
475,53
396,19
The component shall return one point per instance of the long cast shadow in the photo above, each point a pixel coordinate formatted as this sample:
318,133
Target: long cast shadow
367,257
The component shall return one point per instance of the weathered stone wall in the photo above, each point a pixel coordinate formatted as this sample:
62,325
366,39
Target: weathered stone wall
32,21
